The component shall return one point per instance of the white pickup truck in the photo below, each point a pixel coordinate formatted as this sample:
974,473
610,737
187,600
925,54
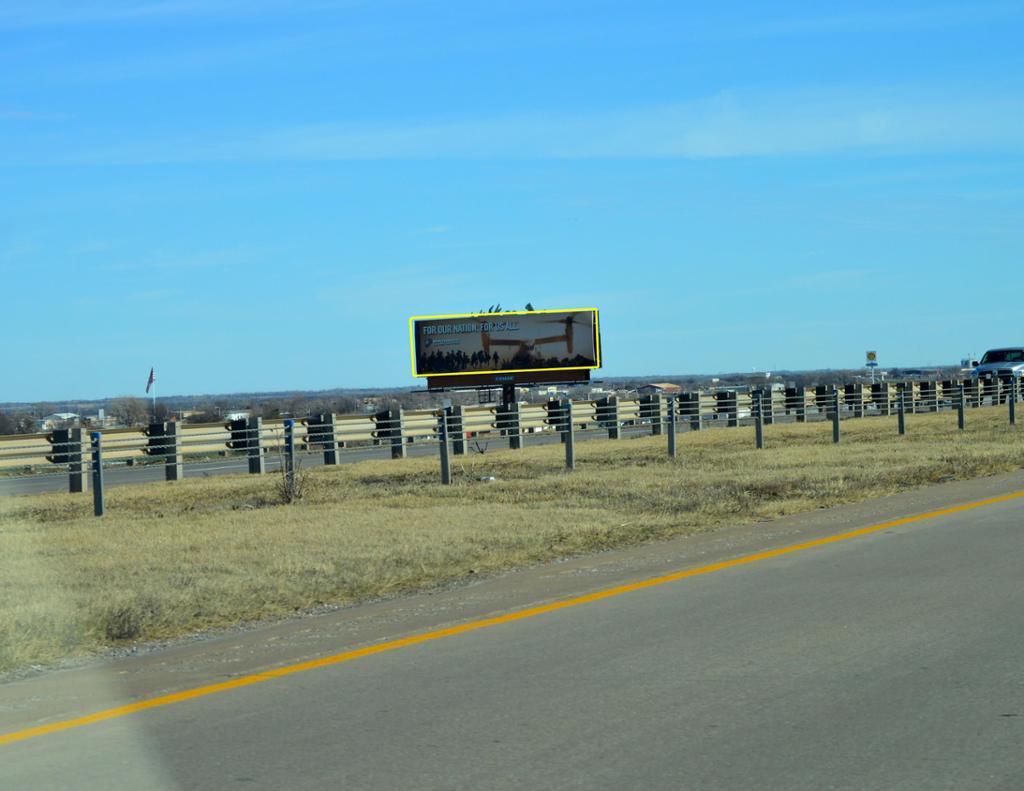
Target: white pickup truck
1002,364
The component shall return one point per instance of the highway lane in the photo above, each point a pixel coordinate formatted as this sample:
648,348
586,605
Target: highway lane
889,660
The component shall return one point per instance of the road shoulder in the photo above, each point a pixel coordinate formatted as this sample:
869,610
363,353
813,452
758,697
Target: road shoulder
63,694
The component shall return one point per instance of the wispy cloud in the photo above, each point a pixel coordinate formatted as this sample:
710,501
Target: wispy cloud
177,62
732,124
51,13
32,115
151,295
892,19
832,279
197,260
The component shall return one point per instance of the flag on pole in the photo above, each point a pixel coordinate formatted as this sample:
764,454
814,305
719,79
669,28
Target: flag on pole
152,379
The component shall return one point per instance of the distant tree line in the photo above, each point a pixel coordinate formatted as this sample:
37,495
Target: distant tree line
17,423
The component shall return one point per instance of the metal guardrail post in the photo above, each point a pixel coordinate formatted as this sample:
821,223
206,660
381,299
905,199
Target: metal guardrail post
767,406
796,401
880,398
570,436
929,397
389,429
66,448
650,409
835,414
254,445
174,461
78,481
973,397
727,404
555,409
757,404
961,420
442,437
948,392
321,431
671,427
689,407
607,413
289,452
455,431
901,411
507,422
854,398
823,400
98,505
328,428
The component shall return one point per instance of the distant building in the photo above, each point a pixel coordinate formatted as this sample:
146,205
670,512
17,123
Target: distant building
551,391
99,420
659,388
57,420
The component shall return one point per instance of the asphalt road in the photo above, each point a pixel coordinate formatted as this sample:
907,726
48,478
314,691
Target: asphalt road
891,660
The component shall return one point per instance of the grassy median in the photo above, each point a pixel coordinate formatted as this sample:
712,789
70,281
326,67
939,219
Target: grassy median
171,559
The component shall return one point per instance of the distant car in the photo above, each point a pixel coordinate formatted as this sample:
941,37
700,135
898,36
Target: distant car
1002,364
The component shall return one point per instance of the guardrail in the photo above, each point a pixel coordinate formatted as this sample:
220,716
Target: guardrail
83,457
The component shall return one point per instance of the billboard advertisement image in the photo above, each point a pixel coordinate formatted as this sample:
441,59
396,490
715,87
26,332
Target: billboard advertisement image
511,342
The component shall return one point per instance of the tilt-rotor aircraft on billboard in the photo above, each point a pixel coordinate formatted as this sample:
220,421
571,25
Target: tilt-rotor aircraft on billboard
466,350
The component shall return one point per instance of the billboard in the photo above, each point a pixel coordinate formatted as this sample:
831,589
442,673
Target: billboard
521,342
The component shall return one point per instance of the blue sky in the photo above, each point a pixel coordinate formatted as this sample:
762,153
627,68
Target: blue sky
256,195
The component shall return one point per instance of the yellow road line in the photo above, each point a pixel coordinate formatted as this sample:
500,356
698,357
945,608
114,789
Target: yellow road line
390,645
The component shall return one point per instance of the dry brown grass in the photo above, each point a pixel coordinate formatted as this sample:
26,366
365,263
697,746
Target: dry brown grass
169,559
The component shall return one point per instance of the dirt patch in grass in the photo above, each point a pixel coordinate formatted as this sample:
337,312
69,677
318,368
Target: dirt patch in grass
170,559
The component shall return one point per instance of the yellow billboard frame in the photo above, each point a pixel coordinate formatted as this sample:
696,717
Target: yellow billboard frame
597,340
